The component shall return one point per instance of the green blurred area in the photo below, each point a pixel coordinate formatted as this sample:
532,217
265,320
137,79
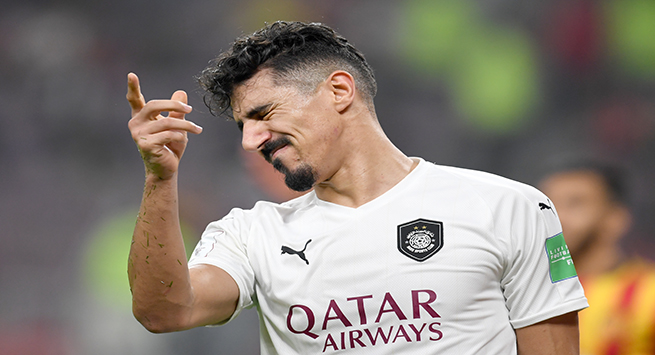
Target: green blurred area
106,256
631,35
490,70
496,86
434,34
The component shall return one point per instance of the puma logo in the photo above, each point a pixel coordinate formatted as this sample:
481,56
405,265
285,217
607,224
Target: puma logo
301,254
543,206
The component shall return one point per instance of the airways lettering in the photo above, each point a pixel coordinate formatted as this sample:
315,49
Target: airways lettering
380,336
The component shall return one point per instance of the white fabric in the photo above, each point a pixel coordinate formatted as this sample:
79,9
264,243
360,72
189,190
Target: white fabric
359,293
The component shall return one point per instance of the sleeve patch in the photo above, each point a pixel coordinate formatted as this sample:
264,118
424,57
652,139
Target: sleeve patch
559,259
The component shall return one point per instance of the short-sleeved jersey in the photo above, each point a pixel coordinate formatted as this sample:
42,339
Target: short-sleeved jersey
448,261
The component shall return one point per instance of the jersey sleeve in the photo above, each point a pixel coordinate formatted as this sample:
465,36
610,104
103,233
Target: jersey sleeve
539,281
223,244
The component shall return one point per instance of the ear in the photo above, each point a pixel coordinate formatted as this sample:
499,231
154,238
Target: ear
342,86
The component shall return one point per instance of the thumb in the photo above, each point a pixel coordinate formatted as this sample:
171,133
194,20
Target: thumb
179,95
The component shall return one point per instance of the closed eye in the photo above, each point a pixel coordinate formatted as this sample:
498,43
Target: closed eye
259,112
267,115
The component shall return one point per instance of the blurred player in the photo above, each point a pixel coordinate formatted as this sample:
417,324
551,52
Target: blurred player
591,202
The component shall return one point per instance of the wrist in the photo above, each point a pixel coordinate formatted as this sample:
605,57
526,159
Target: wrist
157,179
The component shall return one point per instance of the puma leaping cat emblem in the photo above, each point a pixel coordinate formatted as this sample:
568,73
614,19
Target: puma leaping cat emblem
301,254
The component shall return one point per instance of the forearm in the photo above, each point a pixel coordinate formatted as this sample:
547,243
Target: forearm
558,335
157,267
163,298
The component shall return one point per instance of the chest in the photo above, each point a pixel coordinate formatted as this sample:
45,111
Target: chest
410,273
369,262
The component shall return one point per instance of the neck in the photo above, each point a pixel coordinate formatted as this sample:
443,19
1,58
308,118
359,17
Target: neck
372,166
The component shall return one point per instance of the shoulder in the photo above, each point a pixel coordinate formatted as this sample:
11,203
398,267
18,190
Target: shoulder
289,207
511,205
265,210
487,185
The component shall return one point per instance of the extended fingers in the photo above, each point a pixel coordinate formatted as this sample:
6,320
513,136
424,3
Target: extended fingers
180,96
134,95
177,103
167,123
153,109
140,128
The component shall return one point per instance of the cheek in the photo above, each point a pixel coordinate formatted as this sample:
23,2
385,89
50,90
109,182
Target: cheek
324,133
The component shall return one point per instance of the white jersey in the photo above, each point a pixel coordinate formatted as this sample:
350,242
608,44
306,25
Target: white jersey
448,261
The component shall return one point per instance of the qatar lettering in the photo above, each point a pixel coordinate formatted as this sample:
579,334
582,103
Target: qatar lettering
391,323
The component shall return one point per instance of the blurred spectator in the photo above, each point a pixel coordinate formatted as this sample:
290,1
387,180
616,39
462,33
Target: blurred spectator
590,199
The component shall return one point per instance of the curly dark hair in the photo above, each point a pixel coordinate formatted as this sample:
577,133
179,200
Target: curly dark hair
302,54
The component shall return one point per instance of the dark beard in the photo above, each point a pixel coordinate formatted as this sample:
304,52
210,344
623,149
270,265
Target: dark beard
302,179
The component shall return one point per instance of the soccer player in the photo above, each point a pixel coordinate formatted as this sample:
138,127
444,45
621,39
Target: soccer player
591,199
387,254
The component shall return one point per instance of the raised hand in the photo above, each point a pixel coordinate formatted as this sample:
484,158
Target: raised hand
160,139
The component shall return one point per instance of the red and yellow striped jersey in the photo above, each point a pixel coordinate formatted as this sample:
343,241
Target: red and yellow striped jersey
621,315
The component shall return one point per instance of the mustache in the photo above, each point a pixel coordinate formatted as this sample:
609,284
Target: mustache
273,145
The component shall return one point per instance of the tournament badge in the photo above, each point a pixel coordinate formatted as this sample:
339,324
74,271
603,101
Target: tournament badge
420,239
559,259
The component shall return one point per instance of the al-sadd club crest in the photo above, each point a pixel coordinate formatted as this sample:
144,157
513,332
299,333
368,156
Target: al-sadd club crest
420,239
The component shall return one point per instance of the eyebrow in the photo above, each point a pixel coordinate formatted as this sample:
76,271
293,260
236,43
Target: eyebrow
258,110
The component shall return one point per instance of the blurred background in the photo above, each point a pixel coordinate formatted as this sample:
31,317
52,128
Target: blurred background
505,86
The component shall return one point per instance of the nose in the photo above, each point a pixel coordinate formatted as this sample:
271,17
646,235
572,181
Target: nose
254,135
